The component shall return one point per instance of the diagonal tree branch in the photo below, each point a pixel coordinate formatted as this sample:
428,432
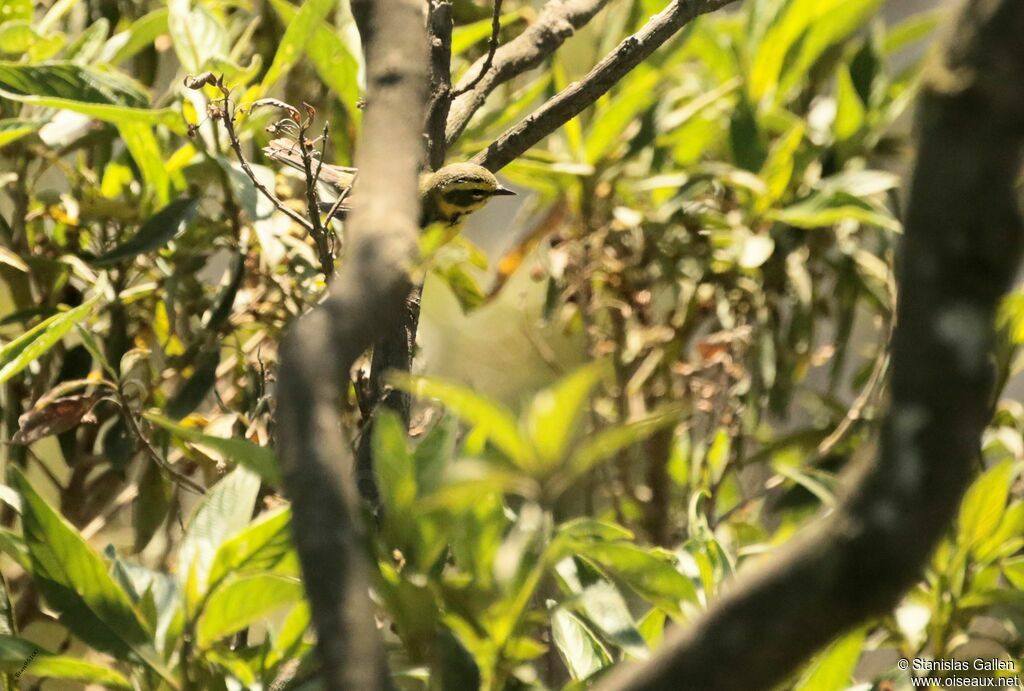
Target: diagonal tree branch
365,301
575,98
962,247
557,21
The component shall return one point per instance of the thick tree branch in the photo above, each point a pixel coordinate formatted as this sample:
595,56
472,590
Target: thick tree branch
575,98
962,247
396,349
557,21
365,300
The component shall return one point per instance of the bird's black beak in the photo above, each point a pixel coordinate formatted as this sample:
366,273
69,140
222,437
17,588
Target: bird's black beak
500,191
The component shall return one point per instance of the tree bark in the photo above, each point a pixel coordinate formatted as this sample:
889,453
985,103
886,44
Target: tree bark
366,300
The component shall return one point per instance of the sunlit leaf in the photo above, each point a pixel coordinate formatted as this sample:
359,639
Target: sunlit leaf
832,669
198,35
259,459
103,95
492,418
242,602
653,577
13,129
579,648
336,56
553,417
75,582
983,505
611,440
223,512
21,656
25,349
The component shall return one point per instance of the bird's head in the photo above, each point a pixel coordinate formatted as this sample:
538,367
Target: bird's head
458,189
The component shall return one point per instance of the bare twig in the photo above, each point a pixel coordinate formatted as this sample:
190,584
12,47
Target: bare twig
573,99
342,196
143,441
316,230
492,48
557,21
960,252
236,146
365,302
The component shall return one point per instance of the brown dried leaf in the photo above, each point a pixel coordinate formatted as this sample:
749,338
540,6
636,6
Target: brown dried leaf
292,111
57,416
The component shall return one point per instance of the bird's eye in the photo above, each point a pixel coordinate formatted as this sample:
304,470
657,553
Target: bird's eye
478,194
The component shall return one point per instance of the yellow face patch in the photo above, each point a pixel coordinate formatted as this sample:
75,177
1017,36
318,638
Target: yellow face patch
461,197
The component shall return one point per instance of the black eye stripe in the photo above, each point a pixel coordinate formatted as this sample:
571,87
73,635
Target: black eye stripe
463,197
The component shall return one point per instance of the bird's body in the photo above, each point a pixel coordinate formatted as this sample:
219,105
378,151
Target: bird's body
447,194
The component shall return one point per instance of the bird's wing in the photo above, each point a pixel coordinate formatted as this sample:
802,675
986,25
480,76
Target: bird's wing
287,152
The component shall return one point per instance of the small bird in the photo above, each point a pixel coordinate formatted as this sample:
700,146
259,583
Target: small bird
447,194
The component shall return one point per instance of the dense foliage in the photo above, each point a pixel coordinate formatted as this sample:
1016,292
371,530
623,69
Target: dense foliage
717,233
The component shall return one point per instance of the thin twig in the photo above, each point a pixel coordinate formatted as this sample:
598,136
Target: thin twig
556,22
143,440
236,146
492,48
576,97
313,206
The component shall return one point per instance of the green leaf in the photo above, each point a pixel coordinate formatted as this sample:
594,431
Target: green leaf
242,602
777,171
579,648
75,582
489,417
156,232
142,32
13,545
554,415
15,10
611,440
106,96
145,149
833,23
18,655
393,464
651,575
224,511
983,505
912,29
259,459
261,546
832,669
289,636
290,49
636,93
468,35
13,129
335,54
796,40
604,607
34,343
850,112
198,36
433,453
824,211
652,627
463,285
